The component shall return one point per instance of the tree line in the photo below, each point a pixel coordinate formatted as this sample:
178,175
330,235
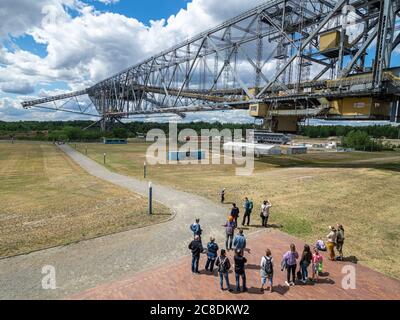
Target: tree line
74,130
359,138
377,132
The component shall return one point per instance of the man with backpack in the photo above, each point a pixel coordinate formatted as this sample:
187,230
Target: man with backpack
248,208
212,253
196,229
196,248
230,231
235,213
224,265
340,242
240,271
267,270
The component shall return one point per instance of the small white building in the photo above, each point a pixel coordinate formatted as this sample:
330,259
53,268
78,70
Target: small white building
259,149
297,150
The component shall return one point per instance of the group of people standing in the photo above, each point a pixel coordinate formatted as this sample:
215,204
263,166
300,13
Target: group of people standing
223,263
290,260
307,259
335,240
248,206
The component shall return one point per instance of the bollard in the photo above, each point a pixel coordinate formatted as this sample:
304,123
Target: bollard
145,170
85,151
105,155
150,199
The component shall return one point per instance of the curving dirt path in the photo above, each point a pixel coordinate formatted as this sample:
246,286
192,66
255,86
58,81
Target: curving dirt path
89,263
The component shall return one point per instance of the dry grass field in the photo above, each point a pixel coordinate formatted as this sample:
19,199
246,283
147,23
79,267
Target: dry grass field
48,200
309,193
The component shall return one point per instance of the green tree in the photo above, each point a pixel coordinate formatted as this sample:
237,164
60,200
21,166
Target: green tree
120,133
360,140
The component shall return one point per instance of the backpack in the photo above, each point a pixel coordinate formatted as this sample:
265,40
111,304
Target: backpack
268,268
230,228
340,236
320,245
195,228
251,205
224,265
212,249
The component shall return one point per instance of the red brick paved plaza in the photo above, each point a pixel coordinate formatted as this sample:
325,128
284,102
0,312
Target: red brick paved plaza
176,282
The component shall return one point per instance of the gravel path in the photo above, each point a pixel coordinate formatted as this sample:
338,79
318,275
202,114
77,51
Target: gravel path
89,263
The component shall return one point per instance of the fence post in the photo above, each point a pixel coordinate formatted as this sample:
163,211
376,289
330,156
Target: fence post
150,198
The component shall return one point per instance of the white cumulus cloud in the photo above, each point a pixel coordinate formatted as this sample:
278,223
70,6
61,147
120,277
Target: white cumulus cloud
87,46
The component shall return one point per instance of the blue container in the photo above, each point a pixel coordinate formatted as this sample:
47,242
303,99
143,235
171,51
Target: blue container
115,141
182,155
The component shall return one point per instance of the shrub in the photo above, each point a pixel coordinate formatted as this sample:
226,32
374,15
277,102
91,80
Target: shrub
360,140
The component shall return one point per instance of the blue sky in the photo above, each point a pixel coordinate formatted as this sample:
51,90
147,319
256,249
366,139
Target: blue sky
143,10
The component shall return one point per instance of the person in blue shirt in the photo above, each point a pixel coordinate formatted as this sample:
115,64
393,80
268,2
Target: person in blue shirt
240,241
212,254
248,208
196,229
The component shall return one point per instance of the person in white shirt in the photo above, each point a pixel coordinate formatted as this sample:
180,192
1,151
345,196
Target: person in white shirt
265,207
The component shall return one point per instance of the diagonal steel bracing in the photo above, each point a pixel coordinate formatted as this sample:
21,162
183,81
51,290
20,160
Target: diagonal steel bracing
257,56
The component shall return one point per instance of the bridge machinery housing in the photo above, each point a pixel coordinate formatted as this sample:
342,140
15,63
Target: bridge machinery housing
284,61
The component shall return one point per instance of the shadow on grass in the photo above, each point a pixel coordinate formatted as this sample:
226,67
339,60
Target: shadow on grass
274,226
352,259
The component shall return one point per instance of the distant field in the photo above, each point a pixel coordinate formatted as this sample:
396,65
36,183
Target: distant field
47,200
309,193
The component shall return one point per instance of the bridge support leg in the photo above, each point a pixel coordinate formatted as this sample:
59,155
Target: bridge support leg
103,124
395,114
282,124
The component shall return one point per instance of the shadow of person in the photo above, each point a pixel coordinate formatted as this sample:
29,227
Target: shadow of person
257,226
252,267
324,274
209,273
275,226
301,284
352,259
280,289
325,281
254,290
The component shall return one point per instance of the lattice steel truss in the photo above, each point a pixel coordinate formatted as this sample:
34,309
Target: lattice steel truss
255,57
